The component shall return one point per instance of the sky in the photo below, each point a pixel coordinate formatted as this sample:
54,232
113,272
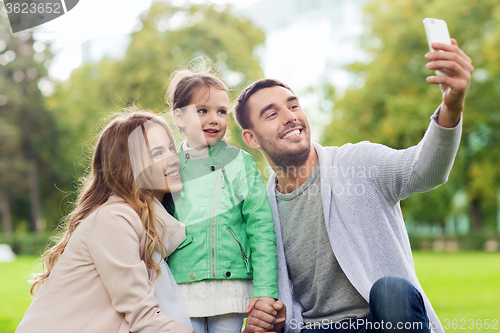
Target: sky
94,20
90,19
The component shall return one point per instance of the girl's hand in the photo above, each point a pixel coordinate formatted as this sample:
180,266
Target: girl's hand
266,318
268,300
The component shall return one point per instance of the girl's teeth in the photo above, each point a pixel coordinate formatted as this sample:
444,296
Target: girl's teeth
173,174
292,133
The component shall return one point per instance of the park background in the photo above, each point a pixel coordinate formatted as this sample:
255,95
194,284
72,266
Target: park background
357,66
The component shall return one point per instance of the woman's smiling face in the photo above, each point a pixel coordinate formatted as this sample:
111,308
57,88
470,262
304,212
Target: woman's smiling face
165,167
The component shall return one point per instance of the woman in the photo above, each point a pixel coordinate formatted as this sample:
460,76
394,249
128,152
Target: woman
99,277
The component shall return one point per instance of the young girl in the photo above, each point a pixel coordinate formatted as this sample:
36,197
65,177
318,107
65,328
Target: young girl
230,236
98,278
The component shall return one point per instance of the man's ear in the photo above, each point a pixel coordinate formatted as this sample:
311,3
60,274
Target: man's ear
250,139
179,121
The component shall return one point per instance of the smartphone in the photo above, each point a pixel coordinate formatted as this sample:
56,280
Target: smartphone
436,31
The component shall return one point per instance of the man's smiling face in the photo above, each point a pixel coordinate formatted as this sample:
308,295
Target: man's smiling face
279,126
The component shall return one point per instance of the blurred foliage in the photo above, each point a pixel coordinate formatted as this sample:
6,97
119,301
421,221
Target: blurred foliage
29,163
28,244
474,241
167,39
390,101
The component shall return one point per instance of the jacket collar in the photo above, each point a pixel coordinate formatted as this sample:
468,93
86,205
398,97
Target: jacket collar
325,163
174,231
194,154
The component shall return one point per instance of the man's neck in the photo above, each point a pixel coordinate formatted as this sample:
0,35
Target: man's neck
291,178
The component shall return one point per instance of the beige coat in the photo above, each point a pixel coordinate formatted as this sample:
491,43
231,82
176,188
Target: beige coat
100,284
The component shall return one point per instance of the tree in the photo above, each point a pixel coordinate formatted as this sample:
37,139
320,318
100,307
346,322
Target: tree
391,101
172,35
27,135
169,38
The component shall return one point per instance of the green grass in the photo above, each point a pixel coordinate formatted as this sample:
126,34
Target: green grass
461,286
14,291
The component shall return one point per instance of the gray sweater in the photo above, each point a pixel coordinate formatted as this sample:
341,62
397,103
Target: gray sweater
361,186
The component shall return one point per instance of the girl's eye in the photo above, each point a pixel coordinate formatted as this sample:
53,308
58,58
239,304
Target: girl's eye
172,148
202,111
222,111
157,154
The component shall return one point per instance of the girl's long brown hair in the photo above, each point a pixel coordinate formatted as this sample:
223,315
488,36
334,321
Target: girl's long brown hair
111,173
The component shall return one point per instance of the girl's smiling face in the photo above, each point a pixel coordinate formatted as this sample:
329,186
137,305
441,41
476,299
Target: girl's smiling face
205,120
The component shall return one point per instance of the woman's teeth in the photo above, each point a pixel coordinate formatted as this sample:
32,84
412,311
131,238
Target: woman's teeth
173,174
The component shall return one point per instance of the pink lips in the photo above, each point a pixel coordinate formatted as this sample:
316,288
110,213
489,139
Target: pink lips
173,174
213,132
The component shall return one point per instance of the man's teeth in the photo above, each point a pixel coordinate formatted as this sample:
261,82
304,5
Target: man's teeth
173,174
292,133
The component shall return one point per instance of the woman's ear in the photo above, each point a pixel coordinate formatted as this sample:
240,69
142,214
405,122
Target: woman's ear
178,118
249,138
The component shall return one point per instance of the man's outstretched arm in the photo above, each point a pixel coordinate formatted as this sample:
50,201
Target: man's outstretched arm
400,173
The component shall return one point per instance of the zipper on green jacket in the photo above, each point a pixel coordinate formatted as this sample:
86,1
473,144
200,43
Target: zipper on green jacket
213,226
245,258
229,187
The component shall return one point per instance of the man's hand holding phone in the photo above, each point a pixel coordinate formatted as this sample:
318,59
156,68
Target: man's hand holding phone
450,59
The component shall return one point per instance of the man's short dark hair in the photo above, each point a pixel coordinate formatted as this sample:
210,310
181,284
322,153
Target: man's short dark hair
241,110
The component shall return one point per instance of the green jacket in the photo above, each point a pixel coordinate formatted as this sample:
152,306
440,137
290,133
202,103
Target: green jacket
229,224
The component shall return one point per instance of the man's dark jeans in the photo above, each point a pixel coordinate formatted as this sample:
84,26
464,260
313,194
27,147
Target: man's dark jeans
395,306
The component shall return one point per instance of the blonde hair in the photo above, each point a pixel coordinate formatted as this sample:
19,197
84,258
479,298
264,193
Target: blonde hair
111,173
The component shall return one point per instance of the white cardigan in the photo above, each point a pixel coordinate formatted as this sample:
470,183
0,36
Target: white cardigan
361,186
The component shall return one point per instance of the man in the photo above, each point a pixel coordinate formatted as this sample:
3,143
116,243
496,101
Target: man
344,259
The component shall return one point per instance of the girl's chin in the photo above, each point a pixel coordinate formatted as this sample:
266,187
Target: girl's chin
212,140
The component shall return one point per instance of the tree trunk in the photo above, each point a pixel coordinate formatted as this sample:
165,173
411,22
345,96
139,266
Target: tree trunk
5,211
34,197
475,211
